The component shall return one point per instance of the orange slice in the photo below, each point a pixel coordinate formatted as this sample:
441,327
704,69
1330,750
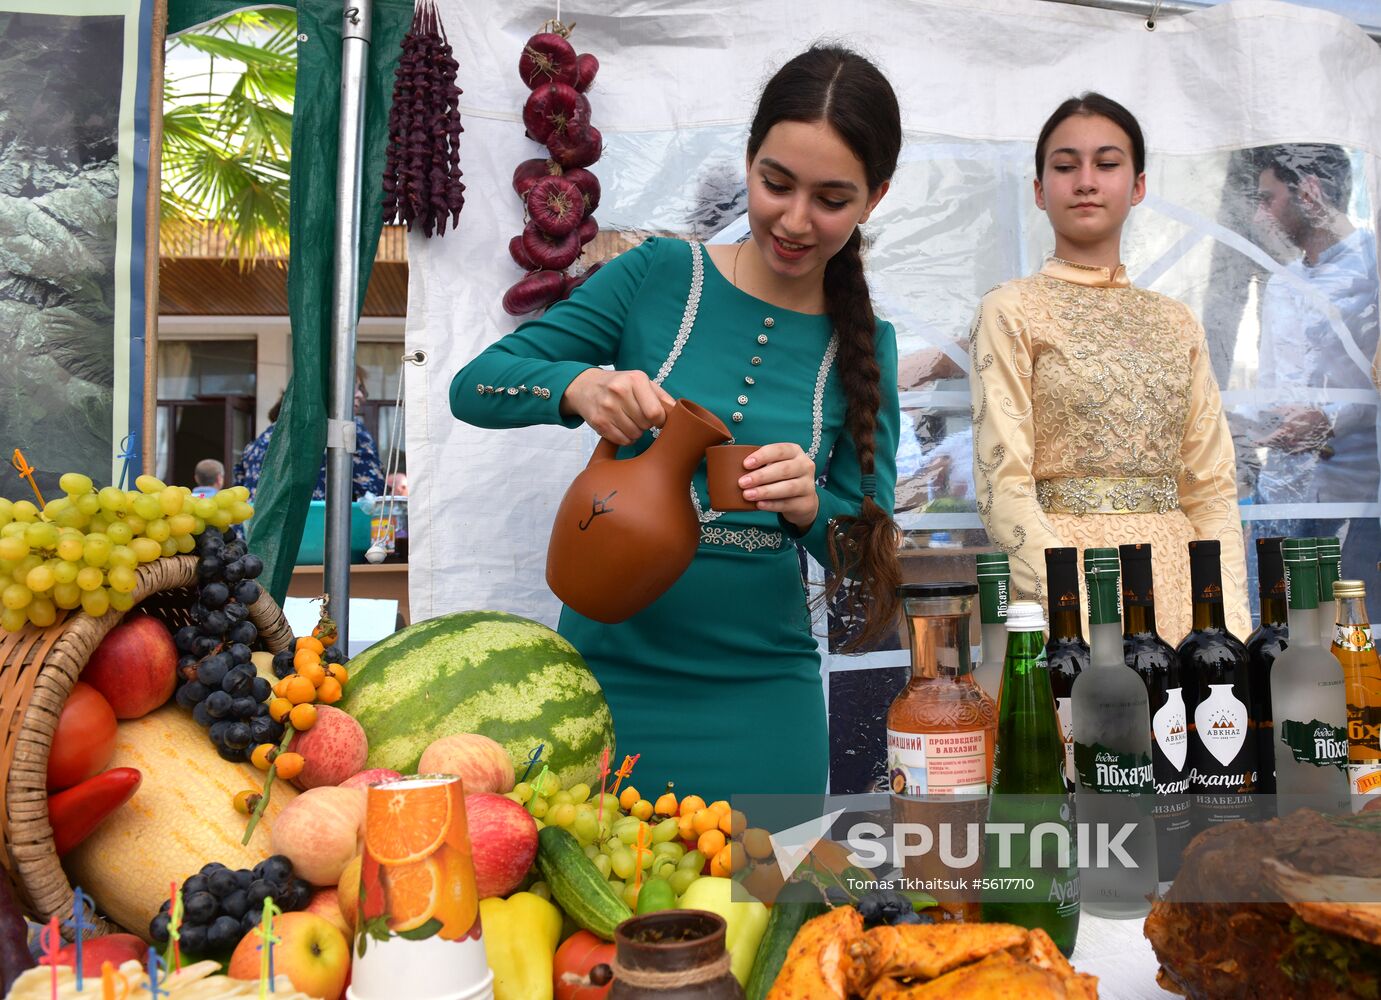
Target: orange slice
459,902
404,825
413,892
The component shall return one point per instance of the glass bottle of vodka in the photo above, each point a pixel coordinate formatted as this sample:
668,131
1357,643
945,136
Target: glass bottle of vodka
1112,755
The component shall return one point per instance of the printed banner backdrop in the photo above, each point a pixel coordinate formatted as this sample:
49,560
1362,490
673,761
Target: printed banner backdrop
74,153
976,79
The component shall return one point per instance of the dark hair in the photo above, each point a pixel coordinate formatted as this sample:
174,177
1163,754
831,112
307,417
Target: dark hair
1094,103
847,92
1326,163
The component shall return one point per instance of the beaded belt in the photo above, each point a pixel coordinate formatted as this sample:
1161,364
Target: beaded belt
750,539
1107,495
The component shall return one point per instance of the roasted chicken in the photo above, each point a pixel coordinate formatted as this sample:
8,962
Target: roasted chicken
833,959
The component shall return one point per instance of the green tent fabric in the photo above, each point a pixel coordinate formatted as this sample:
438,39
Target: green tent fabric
295,451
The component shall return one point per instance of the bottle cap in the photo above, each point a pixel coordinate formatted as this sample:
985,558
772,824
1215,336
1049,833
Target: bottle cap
1297,550
1329,547
947,588
1025,616
992,564
1104,557
1349,588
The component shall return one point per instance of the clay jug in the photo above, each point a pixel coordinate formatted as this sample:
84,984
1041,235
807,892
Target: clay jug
673,955
626,529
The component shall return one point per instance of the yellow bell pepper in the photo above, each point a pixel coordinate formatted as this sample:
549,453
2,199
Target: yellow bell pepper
746,919
520,938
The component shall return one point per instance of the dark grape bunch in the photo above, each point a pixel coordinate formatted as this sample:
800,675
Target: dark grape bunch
221,687
221,905
886,906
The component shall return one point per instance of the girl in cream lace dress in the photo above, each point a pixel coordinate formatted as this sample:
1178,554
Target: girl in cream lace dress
1097,419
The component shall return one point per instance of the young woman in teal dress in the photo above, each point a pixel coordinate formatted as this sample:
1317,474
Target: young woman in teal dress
717,684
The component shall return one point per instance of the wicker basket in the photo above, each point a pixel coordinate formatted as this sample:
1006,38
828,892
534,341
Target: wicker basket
37,670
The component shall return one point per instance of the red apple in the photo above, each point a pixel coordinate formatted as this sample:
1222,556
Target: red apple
326,903
313,954
134,667
503,842
333,749
117,949
366,778
482,764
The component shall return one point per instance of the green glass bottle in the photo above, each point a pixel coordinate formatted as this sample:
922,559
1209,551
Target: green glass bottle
1330,550
1029,789
994,578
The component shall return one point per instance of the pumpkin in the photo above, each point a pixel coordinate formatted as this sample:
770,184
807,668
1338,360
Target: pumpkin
182,817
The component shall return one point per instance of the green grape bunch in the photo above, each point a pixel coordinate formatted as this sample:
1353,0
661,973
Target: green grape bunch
82,549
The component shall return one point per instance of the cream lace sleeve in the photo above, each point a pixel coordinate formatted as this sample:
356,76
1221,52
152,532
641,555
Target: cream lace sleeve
1208,482
1004,442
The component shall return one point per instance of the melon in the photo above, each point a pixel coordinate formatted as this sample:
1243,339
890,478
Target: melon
182,817
505,677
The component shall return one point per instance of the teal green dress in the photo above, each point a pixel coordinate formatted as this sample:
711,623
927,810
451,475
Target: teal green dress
717,684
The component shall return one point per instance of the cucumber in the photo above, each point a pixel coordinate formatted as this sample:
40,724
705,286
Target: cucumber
794,905
576,884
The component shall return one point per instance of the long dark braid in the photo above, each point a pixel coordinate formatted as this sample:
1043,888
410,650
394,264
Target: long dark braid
840,87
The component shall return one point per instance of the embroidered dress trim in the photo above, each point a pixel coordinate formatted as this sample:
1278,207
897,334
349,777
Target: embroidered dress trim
749,539
1108,495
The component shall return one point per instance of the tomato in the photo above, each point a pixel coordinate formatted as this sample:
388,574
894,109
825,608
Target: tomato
84,741
578,954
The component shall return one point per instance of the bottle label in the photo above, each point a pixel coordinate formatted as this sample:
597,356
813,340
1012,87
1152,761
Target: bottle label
1315,742
1169,730
1105,770
1064,709
1221,721
1353,638
938,763
1064,893
1365,778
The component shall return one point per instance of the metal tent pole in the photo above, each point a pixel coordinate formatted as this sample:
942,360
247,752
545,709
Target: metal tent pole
1149,9
340,425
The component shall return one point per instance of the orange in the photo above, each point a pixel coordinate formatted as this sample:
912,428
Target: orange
732,823
666,805
459,902
757,843
691,805
402,826
686,826
313,671
305,656
720,864
312,643
719,806
711,842
299,690
413,892
705,819
329,692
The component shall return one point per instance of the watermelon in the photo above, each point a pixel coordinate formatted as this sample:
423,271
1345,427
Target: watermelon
508,678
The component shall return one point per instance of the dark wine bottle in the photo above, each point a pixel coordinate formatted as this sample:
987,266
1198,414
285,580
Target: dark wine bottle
1066,652
1155,660
1215,671
1263,646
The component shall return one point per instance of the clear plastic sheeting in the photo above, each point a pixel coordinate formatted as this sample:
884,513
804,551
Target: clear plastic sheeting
976,78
